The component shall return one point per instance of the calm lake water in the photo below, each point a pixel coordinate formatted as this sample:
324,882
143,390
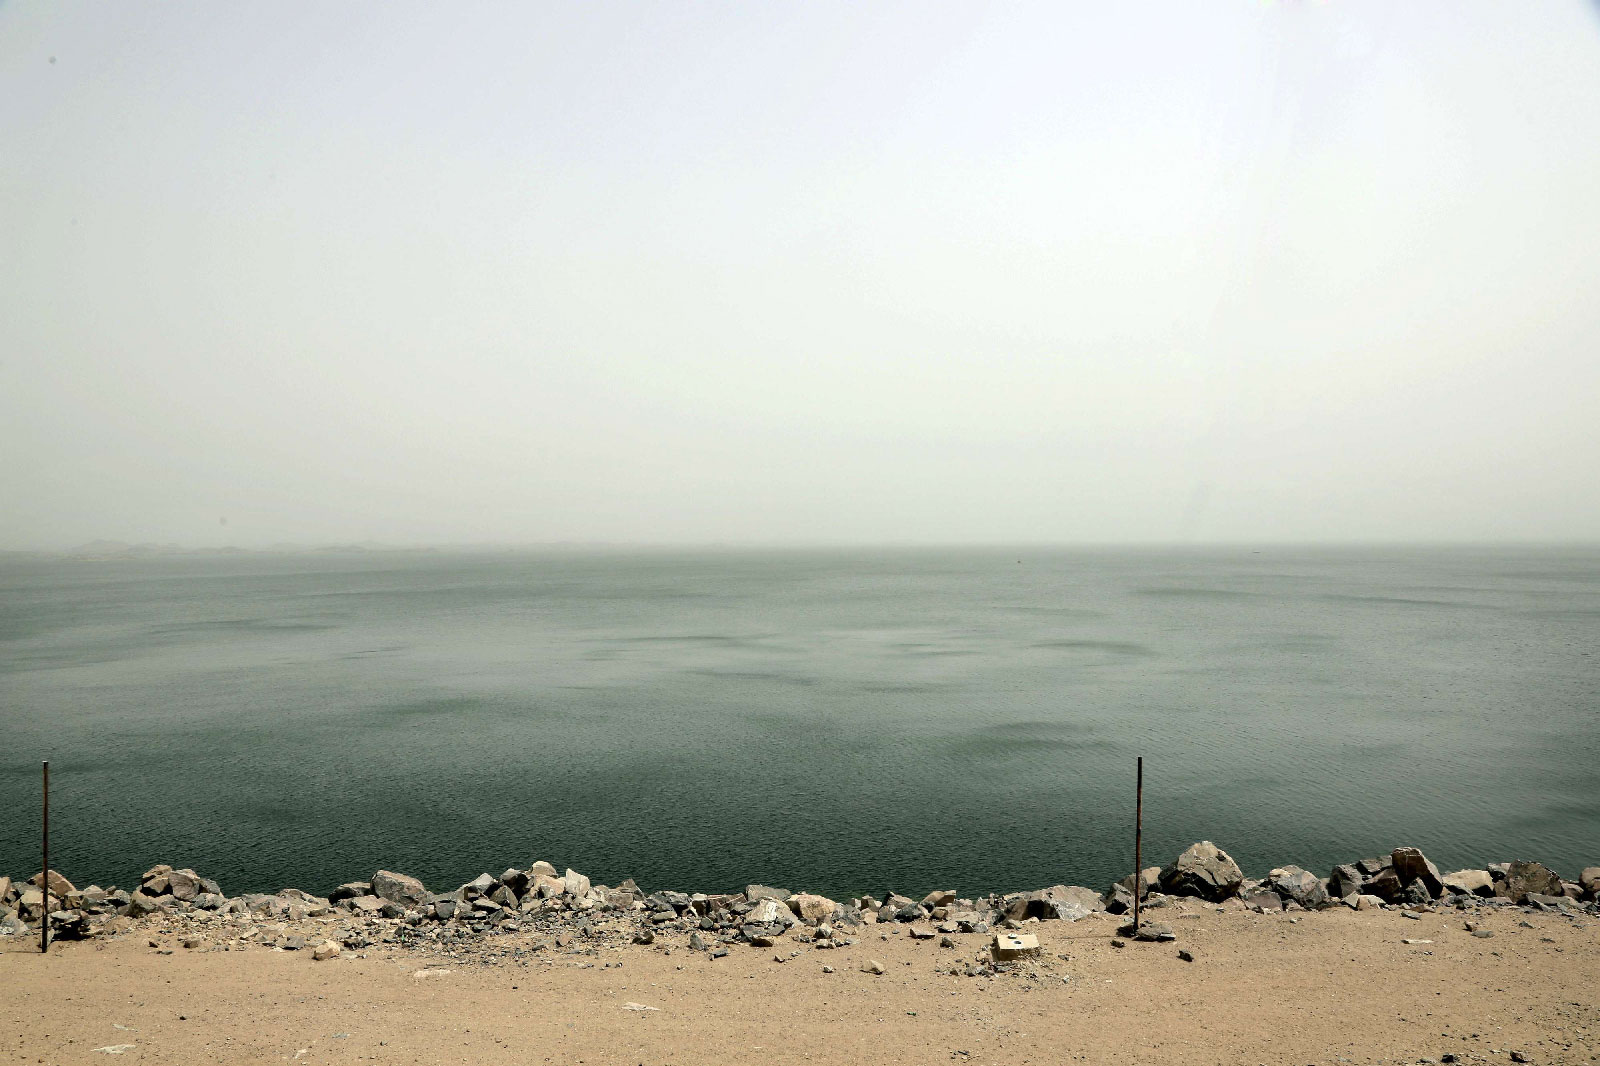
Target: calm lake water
839,721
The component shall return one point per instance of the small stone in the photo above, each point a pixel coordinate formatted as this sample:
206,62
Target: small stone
1185,955
827,969
325,951
921,932
1148,932
1483,934
1517,1056
873,966
947,942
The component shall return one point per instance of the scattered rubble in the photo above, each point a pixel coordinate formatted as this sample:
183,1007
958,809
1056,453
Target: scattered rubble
568,914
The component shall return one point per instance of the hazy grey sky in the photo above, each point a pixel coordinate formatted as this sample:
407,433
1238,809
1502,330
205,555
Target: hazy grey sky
799,272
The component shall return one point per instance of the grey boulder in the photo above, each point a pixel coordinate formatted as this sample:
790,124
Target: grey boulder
398,888
1412,866
1203,870
1302,886
1524,877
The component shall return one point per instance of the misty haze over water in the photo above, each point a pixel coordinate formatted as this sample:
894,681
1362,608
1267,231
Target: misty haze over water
843,721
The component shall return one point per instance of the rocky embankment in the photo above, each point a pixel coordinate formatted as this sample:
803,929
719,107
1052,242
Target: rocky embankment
570,912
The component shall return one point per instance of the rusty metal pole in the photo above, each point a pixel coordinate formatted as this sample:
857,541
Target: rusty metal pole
1138,844
44,878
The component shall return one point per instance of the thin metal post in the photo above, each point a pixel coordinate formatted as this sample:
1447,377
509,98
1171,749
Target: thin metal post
44,920
1138,846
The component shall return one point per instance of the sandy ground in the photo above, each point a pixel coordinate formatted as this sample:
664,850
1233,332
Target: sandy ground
1333,987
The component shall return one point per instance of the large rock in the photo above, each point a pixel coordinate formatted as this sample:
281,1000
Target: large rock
541,867
59,886
69,925
770,912
812,908
760,892
30,904
1302,886
575,884
1385,884
1118,899
1345,880
1525,877
1411,865
350,890
1149,878
1203,870
398,888
1589,881
1469,882
547,887
5,889
1262,900
1071,902
141,904
183,884
1057,901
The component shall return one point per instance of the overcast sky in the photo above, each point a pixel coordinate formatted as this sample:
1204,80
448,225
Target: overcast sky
808,272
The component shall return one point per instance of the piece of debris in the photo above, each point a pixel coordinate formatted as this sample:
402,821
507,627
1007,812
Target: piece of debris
638,1006
1148,932
1014,945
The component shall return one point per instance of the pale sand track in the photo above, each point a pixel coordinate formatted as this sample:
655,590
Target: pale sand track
1334,987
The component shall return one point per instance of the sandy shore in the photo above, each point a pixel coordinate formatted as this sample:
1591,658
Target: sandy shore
1325,987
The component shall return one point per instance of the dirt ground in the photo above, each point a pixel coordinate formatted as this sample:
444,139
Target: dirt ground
1332,987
